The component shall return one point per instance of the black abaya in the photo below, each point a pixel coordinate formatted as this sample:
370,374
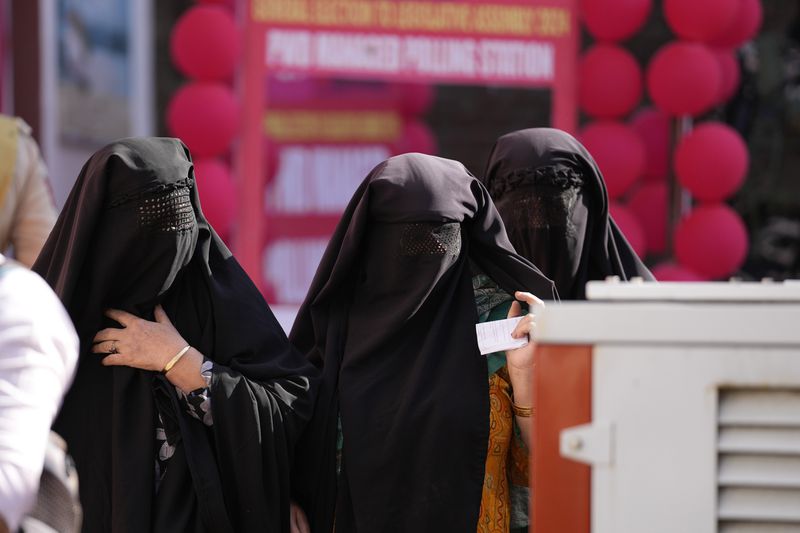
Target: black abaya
131,235
390,319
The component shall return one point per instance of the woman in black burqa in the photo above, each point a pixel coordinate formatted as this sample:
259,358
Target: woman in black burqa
390,320
207,445
554,203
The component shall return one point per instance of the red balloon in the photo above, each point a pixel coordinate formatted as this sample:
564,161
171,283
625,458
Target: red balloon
699,20
229,3
743,27
217,193
684,78
615,20
711,161
416,137
205,43
650,203
711,241
630,226
675,272
654,128
729,68
610,81
205,116
619,153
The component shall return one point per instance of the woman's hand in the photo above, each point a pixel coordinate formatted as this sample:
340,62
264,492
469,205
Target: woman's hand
297,519
139,343
521,359
150,346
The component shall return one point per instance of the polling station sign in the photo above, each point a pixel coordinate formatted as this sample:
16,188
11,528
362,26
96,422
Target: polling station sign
500,42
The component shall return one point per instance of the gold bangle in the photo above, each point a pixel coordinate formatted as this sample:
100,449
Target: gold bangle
523,412
174,361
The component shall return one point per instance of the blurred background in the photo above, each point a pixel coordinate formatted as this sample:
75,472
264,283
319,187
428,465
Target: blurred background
692,109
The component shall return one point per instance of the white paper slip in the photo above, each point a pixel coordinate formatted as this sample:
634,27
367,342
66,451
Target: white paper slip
495,336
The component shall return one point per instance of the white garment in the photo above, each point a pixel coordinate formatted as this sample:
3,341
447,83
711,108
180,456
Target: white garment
38,355
27,211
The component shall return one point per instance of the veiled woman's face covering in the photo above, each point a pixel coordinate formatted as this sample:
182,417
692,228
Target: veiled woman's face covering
145,239
538,180
408,255
553,200
547,223
409,248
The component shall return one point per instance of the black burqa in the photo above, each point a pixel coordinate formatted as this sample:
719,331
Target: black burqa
390,318
132,234
553,200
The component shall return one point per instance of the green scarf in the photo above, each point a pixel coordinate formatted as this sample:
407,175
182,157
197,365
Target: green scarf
492,303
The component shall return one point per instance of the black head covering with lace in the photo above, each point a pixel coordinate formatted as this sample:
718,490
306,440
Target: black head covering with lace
131,235
390,319
553,200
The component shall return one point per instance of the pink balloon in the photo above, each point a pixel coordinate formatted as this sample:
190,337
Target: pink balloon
699,20
217,193
205,43
630,226
743,27
205,116
650,203
675,272
618,151
729,68
610,81
712,241
655,130
615,20
711,161
684,78
417,137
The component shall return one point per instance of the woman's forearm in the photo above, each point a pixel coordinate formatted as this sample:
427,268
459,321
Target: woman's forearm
522,385
186,374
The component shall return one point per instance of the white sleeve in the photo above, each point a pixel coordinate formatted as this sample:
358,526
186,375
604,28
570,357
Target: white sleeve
38,354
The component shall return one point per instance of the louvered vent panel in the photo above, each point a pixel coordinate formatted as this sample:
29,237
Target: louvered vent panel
758,471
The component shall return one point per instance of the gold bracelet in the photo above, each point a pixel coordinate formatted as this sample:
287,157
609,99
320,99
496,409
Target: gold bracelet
174,361
523,412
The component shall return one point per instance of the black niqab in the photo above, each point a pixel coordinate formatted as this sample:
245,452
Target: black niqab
553,200
390,318
131,235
